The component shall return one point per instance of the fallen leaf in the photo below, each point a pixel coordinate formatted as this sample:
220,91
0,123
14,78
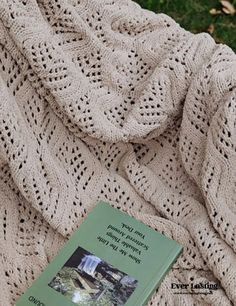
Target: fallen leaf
214,12
228,7
211,28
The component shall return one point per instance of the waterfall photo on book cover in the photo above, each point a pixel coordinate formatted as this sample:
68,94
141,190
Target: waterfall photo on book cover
88,280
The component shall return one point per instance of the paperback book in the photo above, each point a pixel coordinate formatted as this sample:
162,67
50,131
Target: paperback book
111,260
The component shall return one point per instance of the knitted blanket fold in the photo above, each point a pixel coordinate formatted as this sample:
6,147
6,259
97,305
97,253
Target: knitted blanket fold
101,100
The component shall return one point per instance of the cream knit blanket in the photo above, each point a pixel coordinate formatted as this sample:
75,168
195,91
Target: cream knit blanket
103,100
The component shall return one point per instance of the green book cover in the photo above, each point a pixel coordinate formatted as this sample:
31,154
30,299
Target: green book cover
111,260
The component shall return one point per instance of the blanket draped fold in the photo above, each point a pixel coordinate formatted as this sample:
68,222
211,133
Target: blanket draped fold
101,100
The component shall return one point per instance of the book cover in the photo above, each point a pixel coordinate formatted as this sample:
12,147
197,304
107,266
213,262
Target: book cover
111,260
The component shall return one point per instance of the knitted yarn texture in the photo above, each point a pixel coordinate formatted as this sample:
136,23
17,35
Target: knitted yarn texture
101,100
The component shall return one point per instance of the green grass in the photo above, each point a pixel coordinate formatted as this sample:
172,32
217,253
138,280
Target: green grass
194,16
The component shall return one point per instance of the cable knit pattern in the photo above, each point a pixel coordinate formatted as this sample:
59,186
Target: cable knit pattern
101,100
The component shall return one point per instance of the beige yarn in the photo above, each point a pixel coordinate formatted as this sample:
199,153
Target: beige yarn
104,100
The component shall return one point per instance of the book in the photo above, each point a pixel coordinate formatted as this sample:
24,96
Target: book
111,260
